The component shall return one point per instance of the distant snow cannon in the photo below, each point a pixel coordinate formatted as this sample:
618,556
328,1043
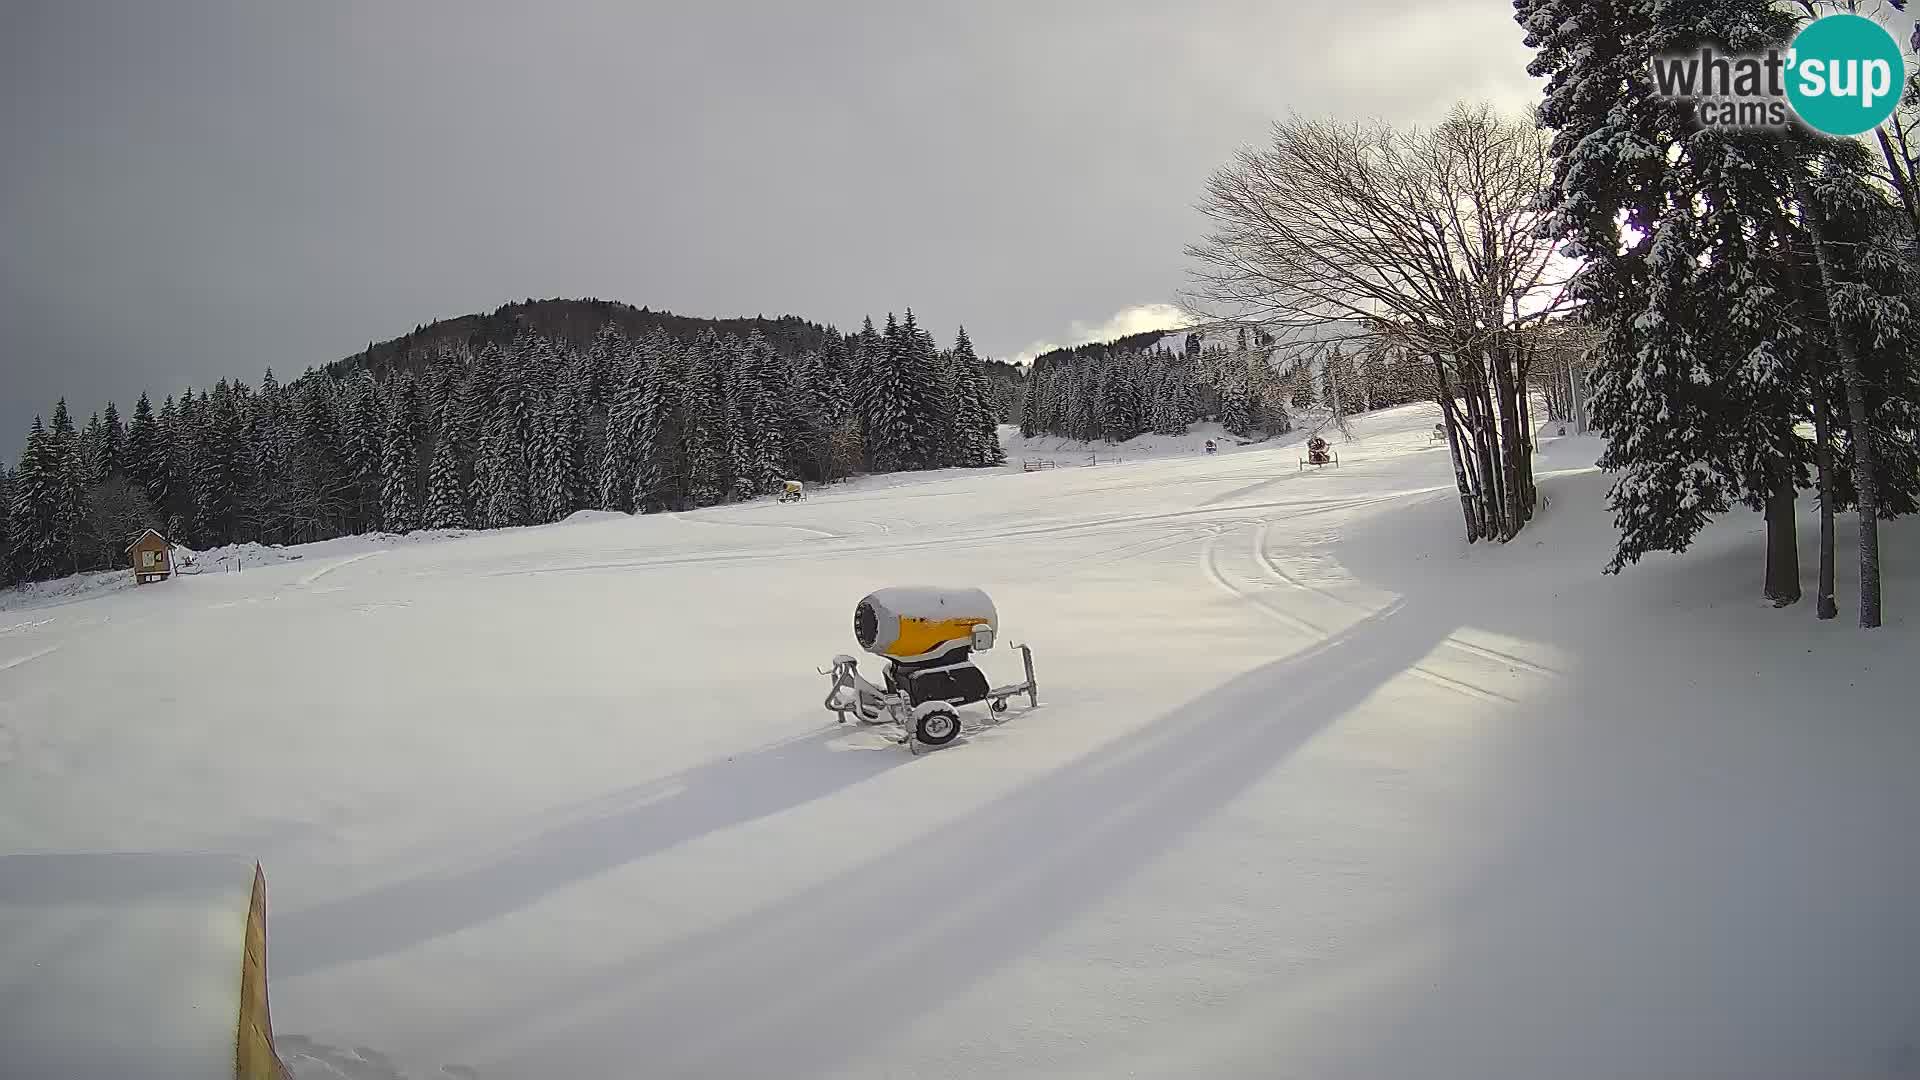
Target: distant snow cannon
927,636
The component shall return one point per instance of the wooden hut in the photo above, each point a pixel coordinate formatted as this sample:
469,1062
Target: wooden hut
151,556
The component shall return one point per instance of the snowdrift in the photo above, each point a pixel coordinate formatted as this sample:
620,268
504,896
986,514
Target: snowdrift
134,965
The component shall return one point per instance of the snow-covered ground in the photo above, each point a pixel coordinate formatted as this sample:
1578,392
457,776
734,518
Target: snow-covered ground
1073,452
1314,789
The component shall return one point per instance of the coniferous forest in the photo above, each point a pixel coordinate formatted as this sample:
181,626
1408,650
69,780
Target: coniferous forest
1252,386
519,418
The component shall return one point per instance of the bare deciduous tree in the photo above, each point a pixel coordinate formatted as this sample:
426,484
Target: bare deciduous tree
1425,241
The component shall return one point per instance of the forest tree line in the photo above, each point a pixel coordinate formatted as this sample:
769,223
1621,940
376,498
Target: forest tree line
1253,388
521,433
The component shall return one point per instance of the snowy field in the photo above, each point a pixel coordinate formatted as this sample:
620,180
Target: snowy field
1314,790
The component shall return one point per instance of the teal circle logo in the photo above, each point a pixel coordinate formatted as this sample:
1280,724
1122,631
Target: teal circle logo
1845,75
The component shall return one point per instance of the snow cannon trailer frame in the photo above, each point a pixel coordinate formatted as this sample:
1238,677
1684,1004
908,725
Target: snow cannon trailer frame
927,637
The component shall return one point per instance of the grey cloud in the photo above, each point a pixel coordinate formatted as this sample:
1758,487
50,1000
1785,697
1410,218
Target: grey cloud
194,189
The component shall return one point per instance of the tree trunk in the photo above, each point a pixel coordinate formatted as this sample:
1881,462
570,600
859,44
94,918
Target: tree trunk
1480,429
1824,605
1868,488
1520,453
1901,176
1864,465
1783,539
1579,401
1444,395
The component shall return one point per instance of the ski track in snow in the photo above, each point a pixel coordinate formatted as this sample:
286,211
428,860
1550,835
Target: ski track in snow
694,517
19,661
1273,567
1272,609
339,564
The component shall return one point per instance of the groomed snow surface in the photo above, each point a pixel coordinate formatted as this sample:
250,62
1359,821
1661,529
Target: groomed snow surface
1314,789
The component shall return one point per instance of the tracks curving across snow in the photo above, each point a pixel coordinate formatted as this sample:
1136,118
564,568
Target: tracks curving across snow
1266,566
9,665
338,565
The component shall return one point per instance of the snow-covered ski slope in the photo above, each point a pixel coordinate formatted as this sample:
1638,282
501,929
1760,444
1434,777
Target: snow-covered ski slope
1314,789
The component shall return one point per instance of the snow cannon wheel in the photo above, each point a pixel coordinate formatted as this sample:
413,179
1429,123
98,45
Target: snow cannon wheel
999,705
937,726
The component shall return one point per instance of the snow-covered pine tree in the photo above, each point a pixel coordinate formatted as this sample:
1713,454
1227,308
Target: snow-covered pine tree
702,420
559,460
807,405
320,490
977,424
39,544
1238,399
733,399
586,393
478,395
443,382
1119,408
621,459
660,475
446,479
183,449
1032,420
936,426
364,430
9,572
146,451
1696,343
766,414
842,451
889,400
93,452
71,468
266,453
1169,390
500,480
867,360
400,480
1079,400
604,362
547,459
943,388
219,469
503,472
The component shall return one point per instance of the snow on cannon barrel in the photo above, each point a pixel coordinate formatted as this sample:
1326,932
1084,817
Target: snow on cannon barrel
919,623
927,636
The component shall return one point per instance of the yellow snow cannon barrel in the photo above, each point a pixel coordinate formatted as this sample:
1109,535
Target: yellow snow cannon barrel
918,622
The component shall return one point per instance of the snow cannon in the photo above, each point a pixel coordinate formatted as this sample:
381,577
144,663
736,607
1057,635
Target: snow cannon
912,624
927,637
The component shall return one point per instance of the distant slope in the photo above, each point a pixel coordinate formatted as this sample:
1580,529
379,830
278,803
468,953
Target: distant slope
1141,342
573,321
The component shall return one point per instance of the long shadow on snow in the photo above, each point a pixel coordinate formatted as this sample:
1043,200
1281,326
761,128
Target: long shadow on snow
1656,867
651,818
796,987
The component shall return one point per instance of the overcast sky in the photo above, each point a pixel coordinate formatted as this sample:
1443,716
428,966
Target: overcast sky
191,190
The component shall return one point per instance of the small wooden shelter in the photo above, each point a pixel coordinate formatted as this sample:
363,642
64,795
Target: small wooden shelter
151,556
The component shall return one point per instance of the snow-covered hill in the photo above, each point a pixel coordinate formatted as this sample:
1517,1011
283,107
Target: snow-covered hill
1313,789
